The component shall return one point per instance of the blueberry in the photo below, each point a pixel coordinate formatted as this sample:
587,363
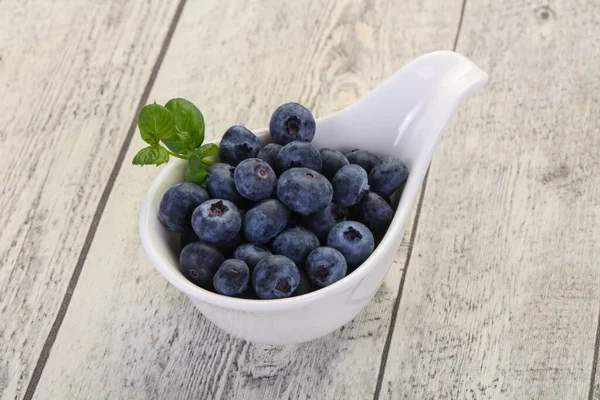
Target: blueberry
232,278
188,236
298,154
254,179
325,266
238,143
177,205
304,191
265,220
362,158
332,161
349,184
269,154
354,240
321,222
275,277
305,285
220,184
296,244
292,122
216,221
251,253
199,262
375,213
387,176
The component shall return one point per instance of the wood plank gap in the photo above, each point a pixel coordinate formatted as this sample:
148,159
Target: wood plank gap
595,360
460,21
390,333
413,234
45,353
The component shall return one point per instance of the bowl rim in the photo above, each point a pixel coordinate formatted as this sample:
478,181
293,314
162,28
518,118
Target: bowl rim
177,279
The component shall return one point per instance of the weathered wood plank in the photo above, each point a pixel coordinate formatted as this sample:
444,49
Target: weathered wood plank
595,384
128,333
71,78
501,297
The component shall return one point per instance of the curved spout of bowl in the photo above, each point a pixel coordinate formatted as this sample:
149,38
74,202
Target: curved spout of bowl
405,115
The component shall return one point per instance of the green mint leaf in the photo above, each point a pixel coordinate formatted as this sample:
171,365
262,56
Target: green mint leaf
197,163
188,119
152,155
196,173
180,143
155,122
206,150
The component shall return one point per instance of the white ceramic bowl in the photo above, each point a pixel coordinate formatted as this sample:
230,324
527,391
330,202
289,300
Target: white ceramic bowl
404,117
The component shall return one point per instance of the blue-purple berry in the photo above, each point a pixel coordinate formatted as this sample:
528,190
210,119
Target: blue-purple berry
265,220
321,222
349,184
332,161
298,155
304,191
199,262
255,179
232,278
251,253
375,213
217,221
275,277
238,143
178,203
363,158
325,266
354,240
387,176
292,122
269,154
296,244
220,184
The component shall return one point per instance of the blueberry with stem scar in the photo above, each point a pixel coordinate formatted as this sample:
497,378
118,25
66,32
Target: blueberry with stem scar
275,277
292,122
354,240
238,143
216,221
325,266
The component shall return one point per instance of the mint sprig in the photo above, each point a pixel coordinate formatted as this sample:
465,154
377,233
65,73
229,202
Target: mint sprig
175,130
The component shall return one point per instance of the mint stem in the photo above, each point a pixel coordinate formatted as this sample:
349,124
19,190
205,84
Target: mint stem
177,155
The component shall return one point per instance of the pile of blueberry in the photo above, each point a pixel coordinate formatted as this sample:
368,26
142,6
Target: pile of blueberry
281,219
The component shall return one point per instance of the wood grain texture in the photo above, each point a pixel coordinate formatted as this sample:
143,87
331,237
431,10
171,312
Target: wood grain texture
501,297
595,376
128,333
71,77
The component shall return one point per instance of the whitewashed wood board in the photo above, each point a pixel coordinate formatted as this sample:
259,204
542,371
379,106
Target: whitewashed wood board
71,78
502,293
128,333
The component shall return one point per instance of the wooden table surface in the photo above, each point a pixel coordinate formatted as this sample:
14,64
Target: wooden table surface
494,294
